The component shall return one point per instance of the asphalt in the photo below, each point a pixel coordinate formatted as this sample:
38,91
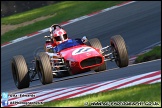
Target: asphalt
138,23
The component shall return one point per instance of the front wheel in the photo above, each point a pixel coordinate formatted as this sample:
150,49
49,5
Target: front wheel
120,51
20,72
44,68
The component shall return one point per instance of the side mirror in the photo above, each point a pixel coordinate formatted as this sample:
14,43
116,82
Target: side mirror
84,39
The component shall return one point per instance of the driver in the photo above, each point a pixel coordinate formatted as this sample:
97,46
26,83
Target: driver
58,35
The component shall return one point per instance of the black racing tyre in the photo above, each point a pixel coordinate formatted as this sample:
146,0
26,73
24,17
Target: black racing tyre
97,44
121,54
20,72
44,69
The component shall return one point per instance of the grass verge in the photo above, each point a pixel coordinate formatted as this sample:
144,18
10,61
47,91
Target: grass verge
155,53
140,95
63,11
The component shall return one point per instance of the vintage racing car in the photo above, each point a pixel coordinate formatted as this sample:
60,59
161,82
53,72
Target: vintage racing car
69,58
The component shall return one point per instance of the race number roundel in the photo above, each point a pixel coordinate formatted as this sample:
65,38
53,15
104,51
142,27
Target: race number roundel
82,50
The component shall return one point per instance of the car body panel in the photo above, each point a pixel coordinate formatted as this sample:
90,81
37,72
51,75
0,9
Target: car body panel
75,55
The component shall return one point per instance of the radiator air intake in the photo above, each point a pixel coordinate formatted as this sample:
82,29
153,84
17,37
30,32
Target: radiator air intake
91,61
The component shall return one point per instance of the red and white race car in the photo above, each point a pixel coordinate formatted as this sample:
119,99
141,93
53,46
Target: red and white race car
69,58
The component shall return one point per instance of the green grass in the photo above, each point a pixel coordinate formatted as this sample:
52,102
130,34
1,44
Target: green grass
63,11
155,53
147,93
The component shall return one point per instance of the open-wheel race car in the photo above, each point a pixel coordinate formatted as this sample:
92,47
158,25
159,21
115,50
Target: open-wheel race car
68,58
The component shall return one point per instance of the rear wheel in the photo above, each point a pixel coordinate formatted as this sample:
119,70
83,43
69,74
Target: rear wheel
43,68
120,51
20,72
97,44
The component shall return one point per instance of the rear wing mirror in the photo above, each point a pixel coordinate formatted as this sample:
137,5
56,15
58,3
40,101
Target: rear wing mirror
84,39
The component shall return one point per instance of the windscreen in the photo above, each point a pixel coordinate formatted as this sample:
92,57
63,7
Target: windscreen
67,44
